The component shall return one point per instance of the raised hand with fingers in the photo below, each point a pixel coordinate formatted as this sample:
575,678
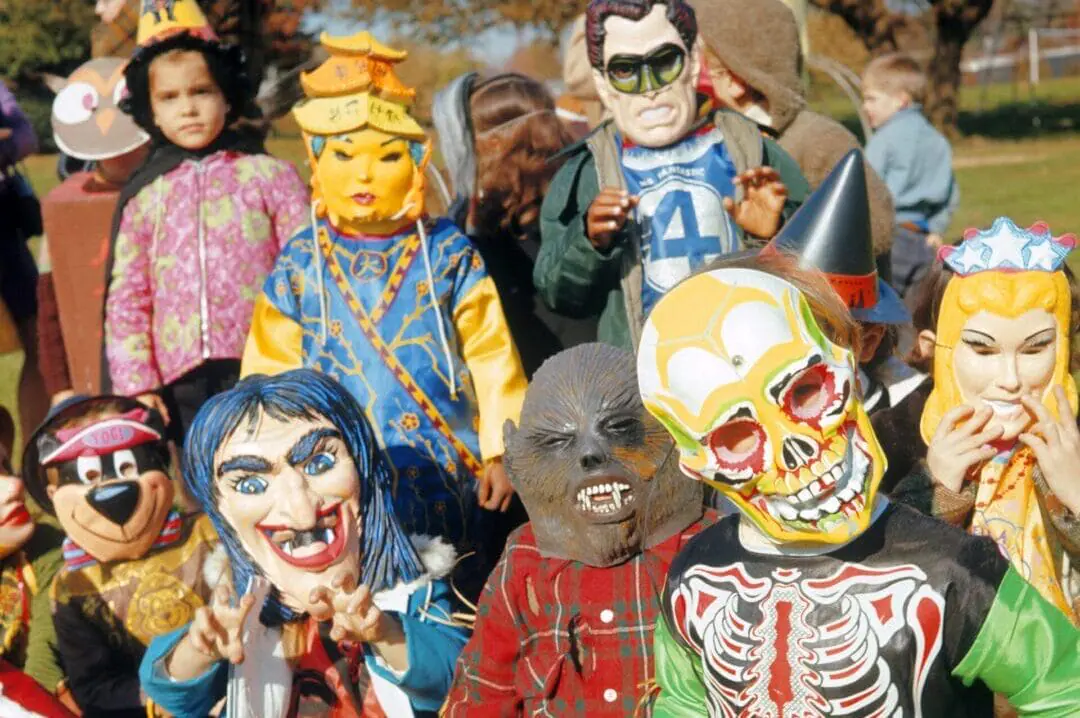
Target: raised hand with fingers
764,194
607,216
1056,445
962,442
495,491
354,617
215,634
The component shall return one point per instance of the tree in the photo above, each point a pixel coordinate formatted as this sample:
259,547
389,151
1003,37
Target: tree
882,29
43,35
288,46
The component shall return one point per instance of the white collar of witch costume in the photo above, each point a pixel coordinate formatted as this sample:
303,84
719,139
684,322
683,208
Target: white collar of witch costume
261,689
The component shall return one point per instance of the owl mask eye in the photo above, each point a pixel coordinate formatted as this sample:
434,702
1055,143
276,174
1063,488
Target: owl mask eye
120,91
75,103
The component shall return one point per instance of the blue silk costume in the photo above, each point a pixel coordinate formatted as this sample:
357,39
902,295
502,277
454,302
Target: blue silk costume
681,211
390,354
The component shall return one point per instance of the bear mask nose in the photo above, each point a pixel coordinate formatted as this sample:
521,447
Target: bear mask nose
116,501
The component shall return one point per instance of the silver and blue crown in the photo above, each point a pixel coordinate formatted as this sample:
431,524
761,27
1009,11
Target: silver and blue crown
1007,248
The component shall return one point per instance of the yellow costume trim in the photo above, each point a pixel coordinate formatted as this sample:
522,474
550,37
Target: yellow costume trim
362,43
493,361
183,16
275,343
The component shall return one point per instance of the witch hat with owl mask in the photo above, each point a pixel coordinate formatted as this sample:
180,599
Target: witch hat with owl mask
831,233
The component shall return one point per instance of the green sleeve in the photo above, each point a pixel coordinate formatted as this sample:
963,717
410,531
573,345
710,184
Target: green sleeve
571,276
797,186
678,676
1028,651
41,657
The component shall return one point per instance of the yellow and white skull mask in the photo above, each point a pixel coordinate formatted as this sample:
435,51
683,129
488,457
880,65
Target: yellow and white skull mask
762,405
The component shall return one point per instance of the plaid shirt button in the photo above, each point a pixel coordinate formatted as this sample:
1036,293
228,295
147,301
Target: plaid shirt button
607,616
610,695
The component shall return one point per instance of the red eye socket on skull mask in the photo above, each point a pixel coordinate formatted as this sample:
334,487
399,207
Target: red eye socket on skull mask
739,446
810,395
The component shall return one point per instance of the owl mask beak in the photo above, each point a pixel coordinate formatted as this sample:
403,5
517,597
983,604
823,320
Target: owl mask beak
105,119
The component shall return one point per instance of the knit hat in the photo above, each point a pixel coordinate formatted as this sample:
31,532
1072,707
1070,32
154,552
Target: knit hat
758,41
161,19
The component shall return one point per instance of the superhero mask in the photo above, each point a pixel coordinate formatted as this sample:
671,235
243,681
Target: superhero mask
1004,326
291,493
367,155
597,474
101,467
649,78
762,405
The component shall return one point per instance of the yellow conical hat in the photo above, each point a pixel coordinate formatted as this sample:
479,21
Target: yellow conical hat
160,19
357,87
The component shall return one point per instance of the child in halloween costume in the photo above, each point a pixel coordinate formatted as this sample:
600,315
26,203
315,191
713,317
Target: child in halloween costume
754,59
341,615
89,126
198,226
664,187
831,233
29,558
609,512
1001,421
818,595
133,565
397,308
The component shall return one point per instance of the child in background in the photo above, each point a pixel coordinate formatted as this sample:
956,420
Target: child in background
207,215
914,159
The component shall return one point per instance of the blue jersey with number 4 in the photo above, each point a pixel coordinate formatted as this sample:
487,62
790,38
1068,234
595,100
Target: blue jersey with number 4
681,192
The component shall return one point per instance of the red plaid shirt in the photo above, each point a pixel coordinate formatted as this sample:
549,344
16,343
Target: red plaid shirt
557,638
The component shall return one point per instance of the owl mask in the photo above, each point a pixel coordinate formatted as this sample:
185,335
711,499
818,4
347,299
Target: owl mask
86,120
762,405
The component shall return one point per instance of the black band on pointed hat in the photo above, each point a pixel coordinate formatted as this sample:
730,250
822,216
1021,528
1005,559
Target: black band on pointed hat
831,233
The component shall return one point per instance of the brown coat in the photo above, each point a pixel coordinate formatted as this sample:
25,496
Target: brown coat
758,42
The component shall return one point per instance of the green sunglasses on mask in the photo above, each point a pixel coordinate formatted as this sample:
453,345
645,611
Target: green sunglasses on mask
641,74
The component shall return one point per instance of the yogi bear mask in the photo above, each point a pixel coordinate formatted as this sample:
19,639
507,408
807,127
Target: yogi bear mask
598,475
762,405
101,467
648,81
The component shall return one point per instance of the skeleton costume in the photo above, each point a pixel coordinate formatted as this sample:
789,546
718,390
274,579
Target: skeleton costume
819,597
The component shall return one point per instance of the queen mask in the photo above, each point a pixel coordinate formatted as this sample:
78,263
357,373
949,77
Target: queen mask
762,405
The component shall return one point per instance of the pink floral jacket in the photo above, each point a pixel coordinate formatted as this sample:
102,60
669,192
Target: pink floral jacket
191,256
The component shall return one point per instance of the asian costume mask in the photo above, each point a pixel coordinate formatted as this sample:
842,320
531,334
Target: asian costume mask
1008,281
367,154
762,405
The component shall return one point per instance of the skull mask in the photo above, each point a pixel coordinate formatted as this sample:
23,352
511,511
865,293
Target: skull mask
762,405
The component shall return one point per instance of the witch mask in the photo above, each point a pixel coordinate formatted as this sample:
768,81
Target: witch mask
762,405
101,466
598,475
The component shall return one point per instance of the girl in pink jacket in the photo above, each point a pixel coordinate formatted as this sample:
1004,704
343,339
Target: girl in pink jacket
197,230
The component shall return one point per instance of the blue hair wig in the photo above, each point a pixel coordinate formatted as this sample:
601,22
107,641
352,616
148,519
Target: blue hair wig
387,555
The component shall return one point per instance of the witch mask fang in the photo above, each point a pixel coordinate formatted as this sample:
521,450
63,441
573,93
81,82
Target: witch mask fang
762,405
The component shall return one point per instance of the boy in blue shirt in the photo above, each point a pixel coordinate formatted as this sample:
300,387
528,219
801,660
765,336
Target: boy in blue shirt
914,159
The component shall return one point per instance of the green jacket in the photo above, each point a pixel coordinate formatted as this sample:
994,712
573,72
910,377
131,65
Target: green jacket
575,279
